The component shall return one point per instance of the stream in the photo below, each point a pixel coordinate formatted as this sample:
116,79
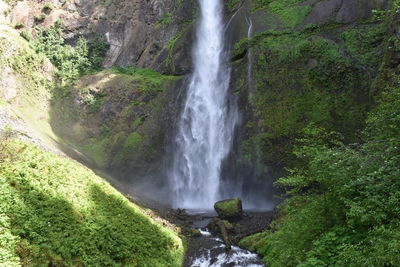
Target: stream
210,251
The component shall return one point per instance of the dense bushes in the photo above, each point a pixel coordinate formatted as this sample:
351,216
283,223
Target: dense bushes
344,200
71,62
54,212
344,208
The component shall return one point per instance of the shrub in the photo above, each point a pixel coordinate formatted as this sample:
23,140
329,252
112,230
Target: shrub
70,61
47,7
55,212
39,18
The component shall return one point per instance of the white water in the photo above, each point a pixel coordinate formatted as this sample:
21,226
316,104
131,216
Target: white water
207,122
234,257
250,57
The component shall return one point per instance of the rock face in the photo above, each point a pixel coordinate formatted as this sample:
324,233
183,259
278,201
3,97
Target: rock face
230,209
155,34
119,121
307,65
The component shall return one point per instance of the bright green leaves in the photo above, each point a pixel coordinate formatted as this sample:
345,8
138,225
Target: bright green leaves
71,61
55,211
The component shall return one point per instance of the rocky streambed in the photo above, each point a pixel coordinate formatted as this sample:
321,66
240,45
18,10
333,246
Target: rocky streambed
208,247
213,237
214,252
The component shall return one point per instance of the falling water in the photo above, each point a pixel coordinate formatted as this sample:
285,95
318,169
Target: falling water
250,57
207,122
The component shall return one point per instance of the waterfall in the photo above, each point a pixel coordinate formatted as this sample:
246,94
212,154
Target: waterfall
208,118
250,57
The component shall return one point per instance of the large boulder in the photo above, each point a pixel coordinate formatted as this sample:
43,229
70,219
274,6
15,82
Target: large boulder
230,209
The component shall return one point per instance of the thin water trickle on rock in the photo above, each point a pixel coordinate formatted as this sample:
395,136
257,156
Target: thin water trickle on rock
207,122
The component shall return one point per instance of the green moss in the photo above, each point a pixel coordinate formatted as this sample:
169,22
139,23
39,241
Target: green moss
290,12
229,209
166,20
293,16
136,123
232,4
26,64
150,79
246,43
171,45
40,18
255,242
47,7
133,141
364,43
228,225
300,78
56,212
96,151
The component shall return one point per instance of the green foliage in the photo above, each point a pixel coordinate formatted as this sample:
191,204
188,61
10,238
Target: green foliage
289,11
301,79
97,49
71,62
47,7
27,64
345,199
172,43
55,212
26,35
92,99
362,43
95,151
133,141
344,208
232,4
151,80
166,20
228,209
12,3
39,18
19,26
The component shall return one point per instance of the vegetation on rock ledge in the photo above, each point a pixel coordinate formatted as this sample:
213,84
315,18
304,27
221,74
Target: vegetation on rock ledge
344,200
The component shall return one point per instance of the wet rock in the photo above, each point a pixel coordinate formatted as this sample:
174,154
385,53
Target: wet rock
353,10
220,228
323,12
194,233
230,209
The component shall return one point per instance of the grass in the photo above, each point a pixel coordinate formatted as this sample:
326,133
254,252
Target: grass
290,12
151,80
53,211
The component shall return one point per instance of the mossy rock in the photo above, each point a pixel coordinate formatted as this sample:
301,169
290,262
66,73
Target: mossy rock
194,233
221,228
230,209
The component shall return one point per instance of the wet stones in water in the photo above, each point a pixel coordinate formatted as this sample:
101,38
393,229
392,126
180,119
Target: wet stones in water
221,228
230,209
195,233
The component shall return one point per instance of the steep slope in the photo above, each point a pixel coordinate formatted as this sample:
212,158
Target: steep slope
56,212
144,33
300,63
53,210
